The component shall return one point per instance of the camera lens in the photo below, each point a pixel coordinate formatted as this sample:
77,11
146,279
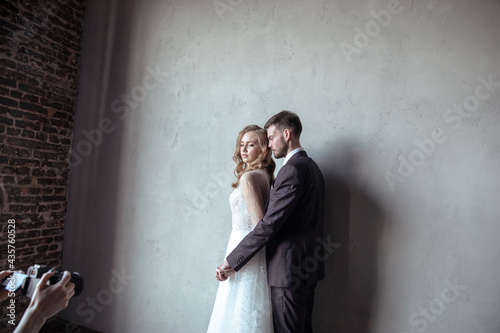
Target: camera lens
77,279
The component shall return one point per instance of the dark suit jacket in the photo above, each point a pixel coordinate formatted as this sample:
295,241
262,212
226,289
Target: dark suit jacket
292,228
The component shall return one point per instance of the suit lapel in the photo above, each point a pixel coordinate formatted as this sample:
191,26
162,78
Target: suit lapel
300,153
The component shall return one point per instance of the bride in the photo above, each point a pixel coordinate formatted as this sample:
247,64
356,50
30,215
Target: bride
243,302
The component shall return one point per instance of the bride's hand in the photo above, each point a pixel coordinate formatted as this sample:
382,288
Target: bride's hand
224,271
217,274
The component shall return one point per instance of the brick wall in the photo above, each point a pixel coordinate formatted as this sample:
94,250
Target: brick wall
40,44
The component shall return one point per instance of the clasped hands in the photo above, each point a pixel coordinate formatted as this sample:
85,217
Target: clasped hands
224,271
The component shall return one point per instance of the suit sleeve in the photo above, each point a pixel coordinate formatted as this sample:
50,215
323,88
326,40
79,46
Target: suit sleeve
284,198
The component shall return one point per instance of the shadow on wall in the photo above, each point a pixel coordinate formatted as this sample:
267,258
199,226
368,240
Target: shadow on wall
353,222
92,217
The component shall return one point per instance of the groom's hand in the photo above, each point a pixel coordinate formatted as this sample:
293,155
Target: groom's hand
224,271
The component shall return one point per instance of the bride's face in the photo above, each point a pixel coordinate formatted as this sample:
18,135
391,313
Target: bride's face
249,147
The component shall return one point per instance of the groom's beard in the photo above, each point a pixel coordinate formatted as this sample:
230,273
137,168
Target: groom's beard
278,155
282,152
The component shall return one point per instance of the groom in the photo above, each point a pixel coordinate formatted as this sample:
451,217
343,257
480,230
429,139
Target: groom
290,230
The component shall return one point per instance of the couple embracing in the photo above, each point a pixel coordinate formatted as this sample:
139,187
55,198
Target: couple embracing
267,286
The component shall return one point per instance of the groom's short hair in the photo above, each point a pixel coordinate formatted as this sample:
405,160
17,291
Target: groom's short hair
286,120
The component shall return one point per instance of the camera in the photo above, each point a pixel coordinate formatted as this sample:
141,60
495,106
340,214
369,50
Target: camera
27,282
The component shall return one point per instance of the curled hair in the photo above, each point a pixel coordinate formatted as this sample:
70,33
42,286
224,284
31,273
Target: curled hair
263,161
286,120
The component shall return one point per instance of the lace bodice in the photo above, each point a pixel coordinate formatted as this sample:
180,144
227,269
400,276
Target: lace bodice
249,199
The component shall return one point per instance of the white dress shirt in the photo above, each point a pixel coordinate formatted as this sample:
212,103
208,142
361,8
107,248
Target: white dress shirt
293,152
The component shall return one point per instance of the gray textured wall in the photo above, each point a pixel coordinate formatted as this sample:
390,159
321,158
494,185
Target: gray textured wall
399,102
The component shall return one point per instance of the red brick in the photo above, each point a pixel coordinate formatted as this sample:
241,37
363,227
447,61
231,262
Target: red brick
40,43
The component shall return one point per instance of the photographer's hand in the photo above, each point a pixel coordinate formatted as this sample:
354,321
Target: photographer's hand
46,302
4,294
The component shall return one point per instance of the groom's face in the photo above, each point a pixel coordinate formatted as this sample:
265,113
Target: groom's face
277,141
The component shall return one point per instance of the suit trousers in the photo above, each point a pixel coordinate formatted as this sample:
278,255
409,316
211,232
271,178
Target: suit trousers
292,309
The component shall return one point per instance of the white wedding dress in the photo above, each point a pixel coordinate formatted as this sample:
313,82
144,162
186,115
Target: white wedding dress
243,302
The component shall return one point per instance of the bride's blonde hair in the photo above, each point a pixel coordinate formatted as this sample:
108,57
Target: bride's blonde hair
263,161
